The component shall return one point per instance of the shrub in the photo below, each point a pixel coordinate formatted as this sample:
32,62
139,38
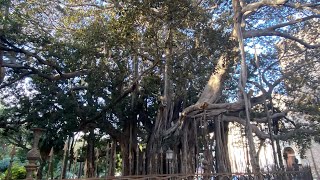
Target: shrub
2,176
17,172
4,164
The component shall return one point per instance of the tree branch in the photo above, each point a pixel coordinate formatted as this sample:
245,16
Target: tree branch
126,92
23,75
254,7
241,121
27,53
46,76
293,22
309,6
285,136
270,32
287,74
276,115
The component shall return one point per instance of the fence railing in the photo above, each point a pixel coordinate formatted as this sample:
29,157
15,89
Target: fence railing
277,175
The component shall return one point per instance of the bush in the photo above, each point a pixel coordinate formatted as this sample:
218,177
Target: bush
17,172
2,176
4,164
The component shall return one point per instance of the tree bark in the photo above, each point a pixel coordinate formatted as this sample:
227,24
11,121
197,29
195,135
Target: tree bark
125,156
112,158
165,112
71,154
238,20
222,153
212,90
2,70
90,156
127,147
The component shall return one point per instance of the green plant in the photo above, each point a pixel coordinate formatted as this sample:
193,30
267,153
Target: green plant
4,164
2,176
17,172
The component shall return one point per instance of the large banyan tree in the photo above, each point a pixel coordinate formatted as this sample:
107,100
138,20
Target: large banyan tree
164,73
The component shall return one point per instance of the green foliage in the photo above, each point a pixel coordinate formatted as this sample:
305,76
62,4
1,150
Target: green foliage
119,163
17,172
2,176
5,157
21,155
4,164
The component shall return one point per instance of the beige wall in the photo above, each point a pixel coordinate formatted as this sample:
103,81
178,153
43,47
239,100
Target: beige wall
313,159
239,157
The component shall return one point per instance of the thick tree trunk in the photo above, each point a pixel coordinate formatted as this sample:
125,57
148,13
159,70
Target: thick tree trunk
112,158
210,94
65,159
271,135
127,147
125,157
71,154
90,156
185,148
222,153
2,70
238,20
165,112
212,91
279,153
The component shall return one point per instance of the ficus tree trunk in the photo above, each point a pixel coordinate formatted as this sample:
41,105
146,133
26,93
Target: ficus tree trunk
189,132
2,70
128,147
165,112
238,18
90,156
221,153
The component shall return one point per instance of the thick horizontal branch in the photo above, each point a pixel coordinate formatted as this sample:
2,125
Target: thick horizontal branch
270,32
4,123
241,121
284,136
206,106
211,113
276,115
313,7
14,66
13,48
253,7
68,75
292,22
50,77
287,135
78,88
22,76
197,110
89,5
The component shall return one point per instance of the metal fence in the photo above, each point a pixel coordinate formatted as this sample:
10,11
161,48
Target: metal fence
277,175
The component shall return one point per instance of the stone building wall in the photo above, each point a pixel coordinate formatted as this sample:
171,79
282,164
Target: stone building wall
313,159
